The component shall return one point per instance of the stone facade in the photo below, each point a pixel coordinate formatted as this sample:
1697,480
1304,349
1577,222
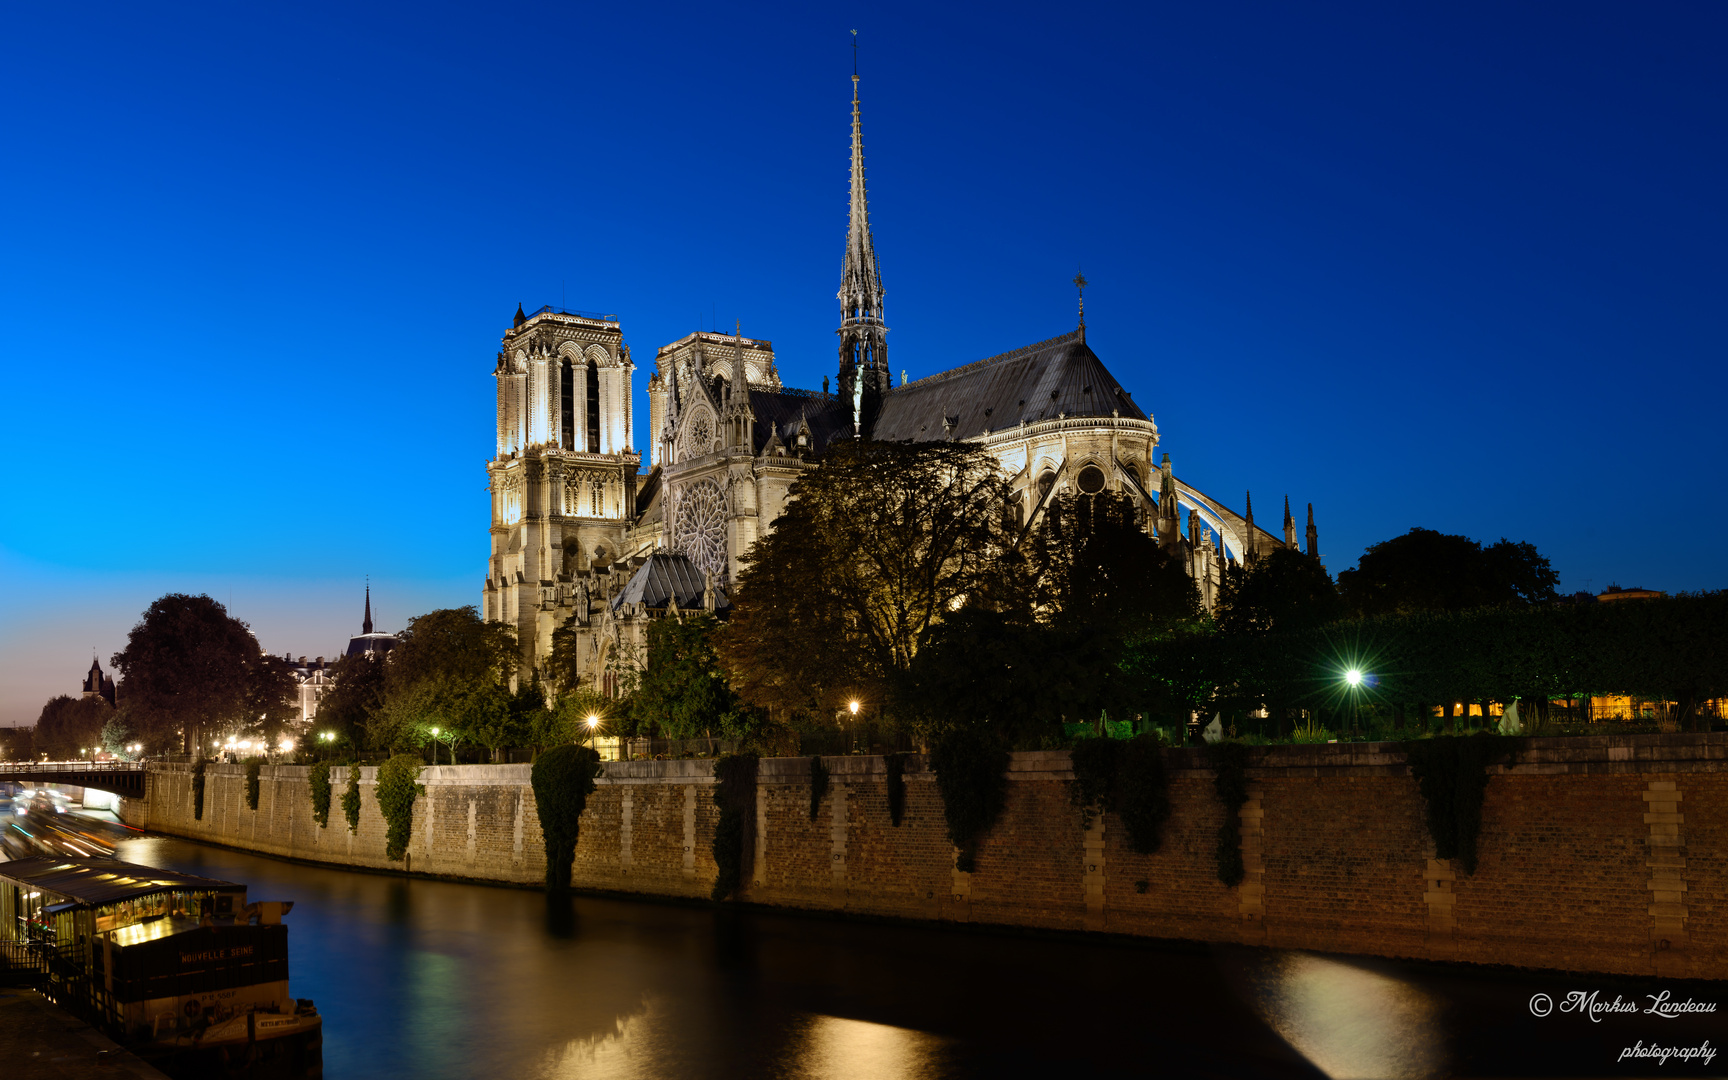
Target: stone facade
1596,854
729,440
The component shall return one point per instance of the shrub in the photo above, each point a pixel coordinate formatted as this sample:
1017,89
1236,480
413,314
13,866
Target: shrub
318,779
971,767
253,765
563,778
1125,777
351,798
896,765
198,789
735,795
818,785
1231,784
1451,773
398,786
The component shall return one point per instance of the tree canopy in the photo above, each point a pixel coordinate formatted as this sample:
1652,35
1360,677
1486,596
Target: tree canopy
1284,589
873,547
189,668
68,725
1424,570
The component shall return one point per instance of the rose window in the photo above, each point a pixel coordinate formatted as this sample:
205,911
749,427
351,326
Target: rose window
701,435
699,526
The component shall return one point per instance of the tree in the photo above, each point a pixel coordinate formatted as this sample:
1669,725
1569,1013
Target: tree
1092,564
453,642
189,667
1424,570
68,726
115,735
682,693
875,546
1282,590
17,744
355,697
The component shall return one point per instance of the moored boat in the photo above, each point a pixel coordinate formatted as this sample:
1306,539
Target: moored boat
180,969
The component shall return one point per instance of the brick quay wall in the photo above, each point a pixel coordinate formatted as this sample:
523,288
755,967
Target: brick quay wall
1603,854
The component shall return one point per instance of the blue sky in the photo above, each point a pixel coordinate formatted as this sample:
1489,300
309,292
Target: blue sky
1459,266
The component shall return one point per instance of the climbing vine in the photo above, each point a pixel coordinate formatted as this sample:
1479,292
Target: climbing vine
818,785
351,799
563,778
896,766
397,787
735,795
318,779
1451,772
253,765
972,774
1231,784
1125,777
198,789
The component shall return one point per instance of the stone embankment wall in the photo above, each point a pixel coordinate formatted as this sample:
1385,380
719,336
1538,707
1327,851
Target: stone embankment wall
1601,854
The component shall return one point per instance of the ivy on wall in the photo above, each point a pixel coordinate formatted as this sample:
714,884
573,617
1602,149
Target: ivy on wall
735,795
253,765
972,774
563,778
397,788
1231,784
318,779
198,789
896,766
351,799
1451,772
1125,777
818,785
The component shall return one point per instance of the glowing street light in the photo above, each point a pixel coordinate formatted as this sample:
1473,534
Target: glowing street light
593,722
1353,677
854,707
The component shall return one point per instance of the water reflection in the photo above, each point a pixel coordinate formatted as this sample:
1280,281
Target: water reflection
1350,1021
441,980
834,1048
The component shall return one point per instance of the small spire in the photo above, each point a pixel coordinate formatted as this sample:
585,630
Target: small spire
1080,284
366,623
520,317
1313,535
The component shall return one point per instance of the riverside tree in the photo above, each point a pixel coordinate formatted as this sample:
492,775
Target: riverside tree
874,547
189,668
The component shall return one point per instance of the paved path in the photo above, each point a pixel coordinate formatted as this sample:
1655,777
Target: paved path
40,1042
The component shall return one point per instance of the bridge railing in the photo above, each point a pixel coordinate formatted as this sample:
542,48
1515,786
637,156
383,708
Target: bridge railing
62,767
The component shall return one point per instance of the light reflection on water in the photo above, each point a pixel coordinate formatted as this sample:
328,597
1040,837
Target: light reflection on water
1353,1023
442,980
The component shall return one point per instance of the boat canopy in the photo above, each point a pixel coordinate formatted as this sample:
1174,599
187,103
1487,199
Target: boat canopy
97,882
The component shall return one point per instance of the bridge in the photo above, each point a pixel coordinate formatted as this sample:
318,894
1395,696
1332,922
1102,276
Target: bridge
123,778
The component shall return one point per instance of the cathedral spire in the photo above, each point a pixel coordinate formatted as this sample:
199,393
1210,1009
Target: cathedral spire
864,373
366,623
1313,534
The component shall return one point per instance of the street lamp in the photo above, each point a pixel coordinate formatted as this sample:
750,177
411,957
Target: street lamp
1353,677
434,746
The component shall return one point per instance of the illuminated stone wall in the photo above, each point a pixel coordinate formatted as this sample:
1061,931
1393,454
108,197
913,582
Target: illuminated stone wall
1601,854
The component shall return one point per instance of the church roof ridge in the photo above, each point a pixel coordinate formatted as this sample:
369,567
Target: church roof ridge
999,358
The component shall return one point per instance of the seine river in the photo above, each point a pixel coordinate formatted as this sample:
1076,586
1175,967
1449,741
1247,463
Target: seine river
430,980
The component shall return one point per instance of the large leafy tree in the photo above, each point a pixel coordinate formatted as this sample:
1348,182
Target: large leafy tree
68,725
453,643
875,546
1092,564
190,670
1425,570
682,693
355,697
1284,589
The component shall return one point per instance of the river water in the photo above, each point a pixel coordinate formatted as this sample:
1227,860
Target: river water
432,979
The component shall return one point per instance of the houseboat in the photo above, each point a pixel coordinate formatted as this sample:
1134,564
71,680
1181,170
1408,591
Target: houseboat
179,969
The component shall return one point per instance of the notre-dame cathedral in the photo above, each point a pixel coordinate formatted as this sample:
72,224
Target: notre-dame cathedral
582,538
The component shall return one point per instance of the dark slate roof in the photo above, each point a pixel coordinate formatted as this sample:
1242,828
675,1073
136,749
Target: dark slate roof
371,643
782,410
1039,382
665,576
103,881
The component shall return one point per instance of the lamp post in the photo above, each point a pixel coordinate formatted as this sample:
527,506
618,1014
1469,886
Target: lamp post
434,746
1353,679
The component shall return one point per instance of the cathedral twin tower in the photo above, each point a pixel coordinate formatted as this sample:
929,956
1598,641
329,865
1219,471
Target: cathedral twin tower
582,540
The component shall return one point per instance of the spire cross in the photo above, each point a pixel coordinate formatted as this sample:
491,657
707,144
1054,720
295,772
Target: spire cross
1080,284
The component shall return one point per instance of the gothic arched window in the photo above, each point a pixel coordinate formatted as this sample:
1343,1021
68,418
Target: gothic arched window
567,404
593,376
